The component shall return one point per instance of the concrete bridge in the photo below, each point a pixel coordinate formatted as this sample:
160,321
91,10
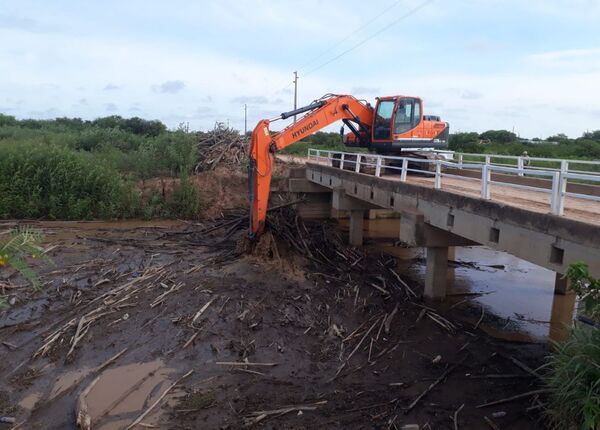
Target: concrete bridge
550,217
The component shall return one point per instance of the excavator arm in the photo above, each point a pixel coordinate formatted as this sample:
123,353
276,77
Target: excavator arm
321,113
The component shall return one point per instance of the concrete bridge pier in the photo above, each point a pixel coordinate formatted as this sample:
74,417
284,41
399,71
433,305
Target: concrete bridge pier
561,285
436,275
340,201
414,231
357,217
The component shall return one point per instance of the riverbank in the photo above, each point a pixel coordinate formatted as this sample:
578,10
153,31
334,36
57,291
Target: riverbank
272,342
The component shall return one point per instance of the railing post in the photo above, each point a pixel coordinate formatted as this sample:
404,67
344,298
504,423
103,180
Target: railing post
342,160
438,175
520,165
564,166
555,195
378,166
487,160
318,155
357,167
485,182
460,161
560,196
404,170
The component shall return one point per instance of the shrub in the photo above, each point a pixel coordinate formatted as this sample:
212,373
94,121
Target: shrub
57,183
16,246
574,381
185,202
587,289
574,368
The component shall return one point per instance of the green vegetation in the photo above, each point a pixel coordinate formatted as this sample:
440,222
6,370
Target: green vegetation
55,182
574,381
15,247
587,289
573,375
319,140
75,169
503,142
326,141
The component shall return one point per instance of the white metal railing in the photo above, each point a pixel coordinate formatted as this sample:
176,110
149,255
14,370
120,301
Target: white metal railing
523,162
559,177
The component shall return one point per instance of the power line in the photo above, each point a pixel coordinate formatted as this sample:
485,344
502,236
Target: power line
356,30
362,42
335,45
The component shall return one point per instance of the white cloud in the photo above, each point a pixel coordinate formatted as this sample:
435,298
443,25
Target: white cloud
169,87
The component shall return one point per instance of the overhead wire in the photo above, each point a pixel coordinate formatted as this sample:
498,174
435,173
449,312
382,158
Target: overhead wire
365,40
356,30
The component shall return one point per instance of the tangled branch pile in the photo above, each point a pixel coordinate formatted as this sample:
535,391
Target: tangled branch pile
222,145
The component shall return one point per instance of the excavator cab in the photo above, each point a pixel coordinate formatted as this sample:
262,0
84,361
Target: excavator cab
399,124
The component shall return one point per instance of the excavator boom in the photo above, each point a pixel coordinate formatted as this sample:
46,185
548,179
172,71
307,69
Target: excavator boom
397,125
321,113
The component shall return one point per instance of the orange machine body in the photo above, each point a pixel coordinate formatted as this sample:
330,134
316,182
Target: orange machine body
399,125
395,124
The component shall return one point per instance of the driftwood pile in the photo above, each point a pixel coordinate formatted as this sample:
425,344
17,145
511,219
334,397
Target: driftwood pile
221,146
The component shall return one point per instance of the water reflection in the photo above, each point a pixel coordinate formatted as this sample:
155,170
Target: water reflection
519,293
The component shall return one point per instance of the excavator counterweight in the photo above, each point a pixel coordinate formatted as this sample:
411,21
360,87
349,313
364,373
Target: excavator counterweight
395,124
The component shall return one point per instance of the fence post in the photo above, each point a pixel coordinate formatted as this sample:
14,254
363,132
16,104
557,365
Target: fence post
485,182
438,175
357,167
460,161
564,166
318,155
378,166
520,165
342,161
404,170
487,160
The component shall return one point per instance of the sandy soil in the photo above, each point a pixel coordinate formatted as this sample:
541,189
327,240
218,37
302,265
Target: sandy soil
324,348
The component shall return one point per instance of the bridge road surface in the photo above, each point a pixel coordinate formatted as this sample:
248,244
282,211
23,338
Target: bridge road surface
587,211
583,210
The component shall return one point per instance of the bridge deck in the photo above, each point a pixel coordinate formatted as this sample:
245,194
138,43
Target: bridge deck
583,210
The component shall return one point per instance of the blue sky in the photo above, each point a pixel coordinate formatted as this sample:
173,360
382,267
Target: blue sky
529,65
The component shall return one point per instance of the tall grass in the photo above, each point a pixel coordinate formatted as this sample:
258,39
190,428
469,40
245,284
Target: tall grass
574,381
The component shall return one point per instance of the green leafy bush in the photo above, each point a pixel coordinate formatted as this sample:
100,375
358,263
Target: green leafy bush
16,246
185,202
57,183
587,289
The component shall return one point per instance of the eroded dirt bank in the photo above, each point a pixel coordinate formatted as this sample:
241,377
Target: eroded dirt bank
328,341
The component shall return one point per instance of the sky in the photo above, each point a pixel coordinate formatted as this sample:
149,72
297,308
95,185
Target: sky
529,66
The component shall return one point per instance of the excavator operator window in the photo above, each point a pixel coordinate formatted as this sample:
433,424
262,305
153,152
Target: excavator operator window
383,120
408,115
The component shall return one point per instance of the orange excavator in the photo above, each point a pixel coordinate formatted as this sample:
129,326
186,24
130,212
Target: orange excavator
396,125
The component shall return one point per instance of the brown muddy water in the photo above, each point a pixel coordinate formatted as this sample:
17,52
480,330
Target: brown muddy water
518,293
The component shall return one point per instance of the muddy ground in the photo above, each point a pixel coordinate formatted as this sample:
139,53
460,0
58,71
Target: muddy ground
311,346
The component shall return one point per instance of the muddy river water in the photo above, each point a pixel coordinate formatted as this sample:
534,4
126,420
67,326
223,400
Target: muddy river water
520,294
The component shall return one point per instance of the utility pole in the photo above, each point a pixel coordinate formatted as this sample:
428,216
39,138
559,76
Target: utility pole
245,119
295,93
